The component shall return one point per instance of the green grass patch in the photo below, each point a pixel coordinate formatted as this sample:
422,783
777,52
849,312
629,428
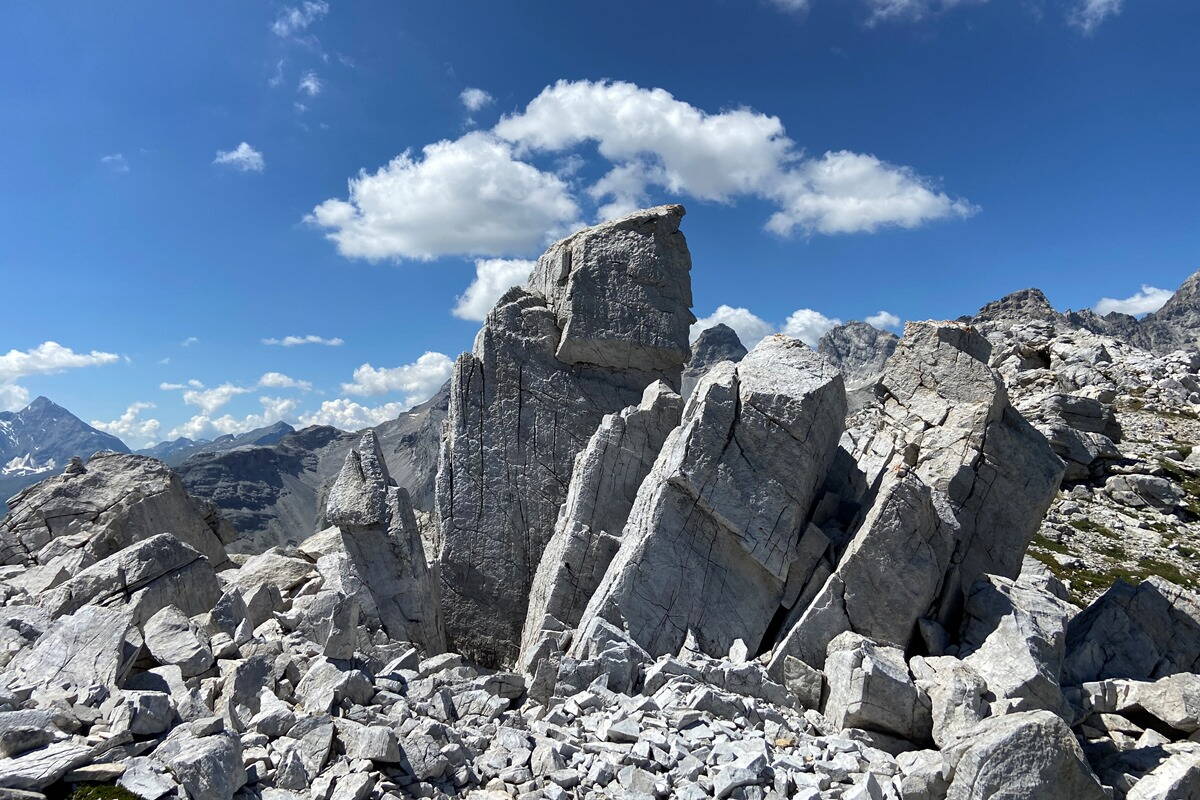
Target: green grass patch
1087,526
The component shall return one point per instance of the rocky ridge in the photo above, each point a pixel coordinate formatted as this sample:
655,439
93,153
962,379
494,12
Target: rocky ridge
41,439
757,590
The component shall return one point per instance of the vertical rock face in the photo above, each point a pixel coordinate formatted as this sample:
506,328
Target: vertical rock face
606,314
959,484
714,345
603,486
717,524
1175,326
373,552
859,350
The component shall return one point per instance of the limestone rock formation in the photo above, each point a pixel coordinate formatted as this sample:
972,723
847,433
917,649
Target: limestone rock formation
958,483
606,313
713,345
604,483
81,516
39,440
274,494
1030,754
373,553
717,524
859,350
1175,326
1143,632
1014,636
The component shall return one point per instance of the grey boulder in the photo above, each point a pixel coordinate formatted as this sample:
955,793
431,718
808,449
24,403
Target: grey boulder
716,524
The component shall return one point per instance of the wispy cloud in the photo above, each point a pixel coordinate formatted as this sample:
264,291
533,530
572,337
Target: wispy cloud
294,20
243,157
1089,14
116,162
294,341
310,84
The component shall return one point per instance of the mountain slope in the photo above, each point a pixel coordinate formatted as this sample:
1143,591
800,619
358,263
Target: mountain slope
272,492
39,440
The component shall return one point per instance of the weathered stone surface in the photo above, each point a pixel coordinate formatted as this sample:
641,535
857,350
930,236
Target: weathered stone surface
117,500
1177,778
1143,632
383,569
859,350
888,578
24,730
620,292
1022,756
1175,326
147,575
172,638
713,345
1014,635
40,768
606,314
870,688
944,412
715,526
358,498
604,483
1173,700
208,767
87,648
957,696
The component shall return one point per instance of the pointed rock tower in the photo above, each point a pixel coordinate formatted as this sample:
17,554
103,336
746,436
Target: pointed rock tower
606,313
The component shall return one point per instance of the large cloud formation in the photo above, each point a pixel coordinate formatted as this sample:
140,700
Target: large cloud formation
483,195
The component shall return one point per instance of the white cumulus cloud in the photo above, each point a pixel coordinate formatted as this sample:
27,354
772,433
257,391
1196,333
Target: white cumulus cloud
131,426
749,327
209,400
46,358
809,326
1088,14
277,380
13,397
293,341
493,277
470,196
883,319
846,192
654,139
293,20
474,99
243,157
416,381
479,195
274,409
803,324
1149,299
351,416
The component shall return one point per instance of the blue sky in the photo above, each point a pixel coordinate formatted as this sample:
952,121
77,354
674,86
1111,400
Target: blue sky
838,158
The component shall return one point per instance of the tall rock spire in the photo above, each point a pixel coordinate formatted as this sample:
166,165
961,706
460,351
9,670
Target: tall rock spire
605,314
